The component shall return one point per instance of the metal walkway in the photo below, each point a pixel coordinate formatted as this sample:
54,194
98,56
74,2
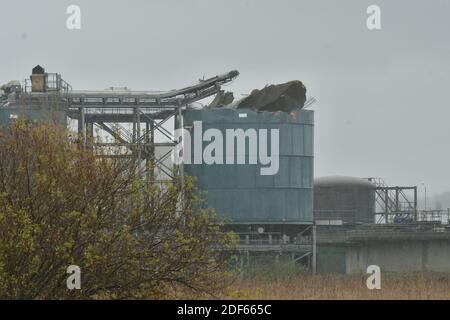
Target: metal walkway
133,118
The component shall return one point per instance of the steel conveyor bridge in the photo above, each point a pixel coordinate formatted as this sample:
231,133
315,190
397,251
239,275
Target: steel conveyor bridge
134,118
140,123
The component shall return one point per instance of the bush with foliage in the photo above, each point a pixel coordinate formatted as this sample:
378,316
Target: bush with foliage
61,205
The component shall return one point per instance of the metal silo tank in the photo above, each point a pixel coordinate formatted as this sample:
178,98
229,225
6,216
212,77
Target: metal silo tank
239,192
343,198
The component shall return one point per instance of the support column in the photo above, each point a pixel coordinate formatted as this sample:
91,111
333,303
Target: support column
415,203
137,135
314,249
90,130
397,205
152,149
181,126
386,205
82,125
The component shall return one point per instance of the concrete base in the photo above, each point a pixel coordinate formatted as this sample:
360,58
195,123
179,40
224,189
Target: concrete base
396,256
424,255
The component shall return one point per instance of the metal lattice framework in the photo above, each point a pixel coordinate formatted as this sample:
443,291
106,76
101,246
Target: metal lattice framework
394,202
141,123
134,118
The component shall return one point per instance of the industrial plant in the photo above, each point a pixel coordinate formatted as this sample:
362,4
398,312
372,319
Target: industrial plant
334,224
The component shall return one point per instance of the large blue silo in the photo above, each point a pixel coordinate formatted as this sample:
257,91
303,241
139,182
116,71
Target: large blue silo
239,192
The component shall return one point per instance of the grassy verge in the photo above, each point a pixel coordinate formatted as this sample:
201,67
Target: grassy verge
298,287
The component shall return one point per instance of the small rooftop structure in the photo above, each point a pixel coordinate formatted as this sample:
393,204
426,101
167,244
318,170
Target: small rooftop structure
38,70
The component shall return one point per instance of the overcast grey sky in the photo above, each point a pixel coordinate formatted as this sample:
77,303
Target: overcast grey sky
384,98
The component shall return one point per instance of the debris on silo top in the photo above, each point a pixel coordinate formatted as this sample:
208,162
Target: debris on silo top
285,97
280,97
222,99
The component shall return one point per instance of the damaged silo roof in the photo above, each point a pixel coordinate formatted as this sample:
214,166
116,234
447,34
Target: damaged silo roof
280,97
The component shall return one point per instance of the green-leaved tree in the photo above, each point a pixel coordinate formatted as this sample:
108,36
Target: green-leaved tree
61,205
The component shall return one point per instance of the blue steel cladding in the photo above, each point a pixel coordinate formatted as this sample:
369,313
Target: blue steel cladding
239,192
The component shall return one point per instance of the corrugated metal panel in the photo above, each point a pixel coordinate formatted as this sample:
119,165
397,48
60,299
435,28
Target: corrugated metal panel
240,192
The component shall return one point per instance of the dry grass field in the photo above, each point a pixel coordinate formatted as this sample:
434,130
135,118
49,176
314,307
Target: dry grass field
300,287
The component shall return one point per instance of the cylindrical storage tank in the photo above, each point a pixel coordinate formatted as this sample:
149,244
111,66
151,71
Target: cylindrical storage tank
243,193
344,198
